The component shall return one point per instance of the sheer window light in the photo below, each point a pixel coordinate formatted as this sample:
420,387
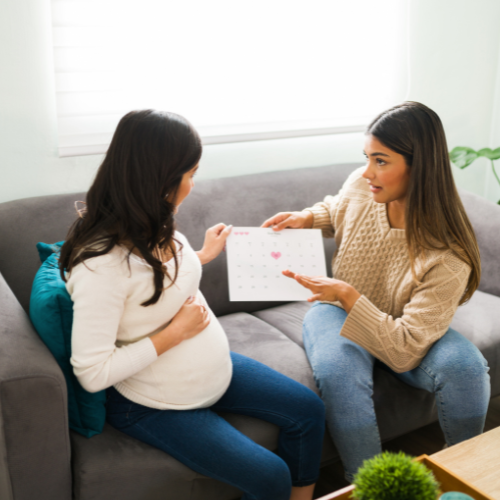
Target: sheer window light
238,70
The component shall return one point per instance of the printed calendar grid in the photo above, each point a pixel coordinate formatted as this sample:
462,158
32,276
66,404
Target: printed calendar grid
256,258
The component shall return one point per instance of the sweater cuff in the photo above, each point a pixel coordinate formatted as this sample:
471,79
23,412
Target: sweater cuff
322,219
142,354
362,323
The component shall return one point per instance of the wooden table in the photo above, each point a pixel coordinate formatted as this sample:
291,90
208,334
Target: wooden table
477,461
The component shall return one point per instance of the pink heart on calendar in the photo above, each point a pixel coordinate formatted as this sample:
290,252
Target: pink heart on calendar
246,233
276,255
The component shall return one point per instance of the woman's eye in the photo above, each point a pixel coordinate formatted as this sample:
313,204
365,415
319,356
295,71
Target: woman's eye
380,162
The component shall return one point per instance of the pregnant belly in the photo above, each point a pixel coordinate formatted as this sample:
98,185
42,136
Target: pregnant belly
197,370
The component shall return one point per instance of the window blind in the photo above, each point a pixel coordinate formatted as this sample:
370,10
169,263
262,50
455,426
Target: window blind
238,70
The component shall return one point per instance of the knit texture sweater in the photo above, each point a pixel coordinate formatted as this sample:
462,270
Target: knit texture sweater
111,330
396,319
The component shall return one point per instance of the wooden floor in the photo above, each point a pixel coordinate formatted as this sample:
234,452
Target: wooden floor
428,440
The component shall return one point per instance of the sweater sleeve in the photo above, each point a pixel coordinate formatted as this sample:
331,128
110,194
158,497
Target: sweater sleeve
402,343
99,296
325,212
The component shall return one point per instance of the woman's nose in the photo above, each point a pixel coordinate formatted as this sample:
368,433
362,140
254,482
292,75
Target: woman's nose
368,174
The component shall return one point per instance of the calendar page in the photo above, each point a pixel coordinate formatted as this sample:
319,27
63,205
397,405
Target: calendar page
256,256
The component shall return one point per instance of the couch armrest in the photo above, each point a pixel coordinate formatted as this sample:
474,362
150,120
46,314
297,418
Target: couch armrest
34,435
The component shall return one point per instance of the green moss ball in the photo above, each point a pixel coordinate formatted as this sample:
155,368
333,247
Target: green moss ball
394,476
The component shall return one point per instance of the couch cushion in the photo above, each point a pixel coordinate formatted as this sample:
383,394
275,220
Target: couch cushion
479,321
51,312
287,319
485,218
259,340
113,465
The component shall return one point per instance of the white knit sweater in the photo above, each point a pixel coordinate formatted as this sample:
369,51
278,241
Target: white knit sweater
111,330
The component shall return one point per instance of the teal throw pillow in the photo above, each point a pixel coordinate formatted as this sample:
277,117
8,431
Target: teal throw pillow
51,312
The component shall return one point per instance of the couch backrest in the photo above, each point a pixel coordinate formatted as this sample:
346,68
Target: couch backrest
241,201
485,218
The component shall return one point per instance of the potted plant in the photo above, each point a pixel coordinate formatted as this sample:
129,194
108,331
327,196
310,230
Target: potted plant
462,157
394,476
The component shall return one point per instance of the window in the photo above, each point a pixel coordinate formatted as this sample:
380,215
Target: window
238,70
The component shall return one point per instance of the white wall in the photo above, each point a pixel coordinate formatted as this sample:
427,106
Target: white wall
454,60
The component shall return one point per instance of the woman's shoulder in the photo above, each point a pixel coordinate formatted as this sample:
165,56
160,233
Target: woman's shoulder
181,238
445,262
184,242
112,263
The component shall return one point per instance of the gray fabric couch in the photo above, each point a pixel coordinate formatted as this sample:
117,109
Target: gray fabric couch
40,459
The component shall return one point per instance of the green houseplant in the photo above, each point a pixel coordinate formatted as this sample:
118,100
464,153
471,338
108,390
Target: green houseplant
394,476
462,157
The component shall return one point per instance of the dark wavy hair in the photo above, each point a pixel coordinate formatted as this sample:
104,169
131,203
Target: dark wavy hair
435,216
127,202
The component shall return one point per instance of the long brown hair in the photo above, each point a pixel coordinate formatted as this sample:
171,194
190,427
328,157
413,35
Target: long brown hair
127,202
435,216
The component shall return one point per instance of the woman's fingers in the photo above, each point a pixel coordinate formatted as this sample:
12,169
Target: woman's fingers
287,222
301,279
276,220
316,296
218,228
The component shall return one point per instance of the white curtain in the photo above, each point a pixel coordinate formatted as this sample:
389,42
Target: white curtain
236,69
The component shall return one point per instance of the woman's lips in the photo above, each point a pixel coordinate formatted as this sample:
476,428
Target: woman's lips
375,189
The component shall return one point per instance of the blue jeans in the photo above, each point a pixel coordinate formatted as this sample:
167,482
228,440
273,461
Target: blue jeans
209,445
454,370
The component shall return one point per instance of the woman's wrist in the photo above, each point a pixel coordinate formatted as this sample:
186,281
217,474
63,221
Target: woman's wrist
168,338
348,297
202,255
309,219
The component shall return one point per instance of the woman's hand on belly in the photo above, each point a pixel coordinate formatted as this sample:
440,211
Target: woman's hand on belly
327,289
192,318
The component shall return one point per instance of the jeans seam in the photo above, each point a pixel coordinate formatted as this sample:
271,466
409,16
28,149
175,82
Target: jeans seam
441,406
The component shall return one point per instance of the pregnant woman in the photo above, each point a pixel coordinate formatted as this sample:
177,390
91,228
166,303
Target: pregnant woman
143,330
406,258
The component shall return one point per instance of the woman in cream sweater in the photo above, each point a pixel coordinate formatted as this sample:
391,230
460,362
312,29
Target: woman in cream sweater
406,258
143,330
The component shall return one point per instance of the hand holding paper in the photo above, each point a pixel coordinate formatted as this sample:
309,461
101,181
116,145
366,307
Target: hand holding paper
215,239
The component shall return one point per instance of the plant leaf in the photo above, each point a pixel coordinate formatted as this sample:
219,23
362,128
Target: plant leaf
488,153
462,156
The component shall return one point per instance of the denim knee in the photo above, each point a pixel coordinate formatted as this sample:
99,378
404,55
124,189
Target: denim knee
312,408
467,371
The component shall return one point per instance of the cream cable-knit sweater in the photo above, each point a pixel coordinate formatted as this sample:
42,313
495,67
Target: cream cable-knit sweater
395,319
